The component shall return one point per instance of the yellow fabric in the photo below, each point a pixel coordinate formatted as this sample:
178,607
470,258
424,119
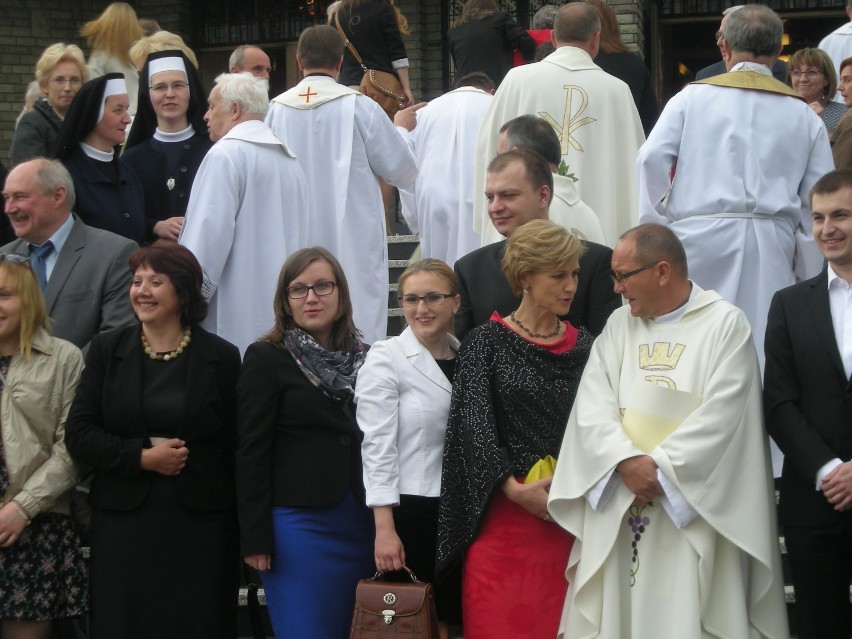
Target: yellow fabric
655,413
750,80
542,469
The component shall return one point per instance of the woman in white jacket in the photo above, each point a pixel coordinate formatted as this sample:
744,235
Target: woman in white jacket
403,396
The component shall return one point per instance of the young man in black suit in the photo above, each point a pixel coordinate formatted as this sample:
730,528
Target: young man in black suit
519,189
808,403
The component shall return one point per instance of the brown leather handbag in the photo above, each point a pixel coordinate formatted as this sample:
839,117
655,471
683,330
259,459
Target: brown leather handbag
381,87
385,609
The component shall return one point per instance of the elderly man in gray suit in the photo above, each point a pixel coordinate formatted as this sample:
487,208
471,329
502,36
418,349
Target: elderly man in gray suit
83,271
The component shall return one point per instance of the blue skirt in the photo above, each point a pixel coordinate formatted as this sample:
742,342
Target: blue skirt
320,554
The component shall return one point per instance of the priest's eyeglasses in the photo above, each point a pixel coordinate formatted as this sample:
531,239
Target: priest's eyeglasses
300,292
431,299
619,279
175,87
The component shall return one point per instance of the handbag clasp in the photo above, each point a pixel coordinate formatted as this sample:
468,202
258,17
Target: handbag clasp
388,614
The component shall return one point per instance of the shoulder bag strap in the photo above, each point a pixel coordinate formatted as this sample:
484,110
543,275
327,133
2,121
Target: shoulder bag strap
346,42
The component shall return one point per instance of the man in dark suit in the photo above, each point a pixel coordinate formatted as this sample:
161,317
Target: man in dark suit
86,279
808,403
519,190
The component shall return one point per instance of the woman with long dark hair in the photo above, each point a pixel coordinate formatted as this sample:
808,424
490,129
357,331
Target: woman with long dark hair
303,521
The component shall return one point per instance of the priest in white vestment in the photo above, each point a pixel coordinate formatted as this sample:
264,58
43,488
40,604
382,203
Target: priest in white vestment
592,112
664,473
439,207
245,214
745,151
344,141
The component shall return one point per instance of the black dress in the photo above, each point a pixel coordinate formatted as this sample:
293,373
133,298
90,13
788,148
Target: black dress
164,553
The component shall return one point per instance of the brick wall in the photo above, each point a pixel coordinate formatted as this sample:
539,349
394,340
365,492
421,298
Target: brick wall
28,27
631,17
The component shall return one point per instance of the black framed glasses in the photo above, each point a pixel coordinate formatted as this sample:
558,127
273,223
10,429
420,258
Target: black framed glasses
619,279
431,299
300,292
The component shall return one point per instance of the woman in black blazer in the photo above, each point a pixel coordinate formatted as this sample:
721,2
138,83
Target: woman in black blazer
154,416
303,522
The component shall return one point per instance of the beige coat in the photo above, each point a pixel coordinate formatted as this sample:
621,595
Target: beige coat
33,408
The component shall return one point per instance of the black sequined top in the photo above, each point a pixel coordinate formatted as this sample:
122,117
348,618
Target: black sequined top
510,404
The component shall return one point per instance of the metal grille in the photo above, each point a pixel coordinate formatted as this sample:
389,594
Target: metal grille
715,7
224,22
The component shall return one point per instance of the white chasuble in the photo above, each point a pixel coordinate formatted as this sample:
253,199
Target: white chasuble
440,206
245,217
744,162
633,573
593,114
344,141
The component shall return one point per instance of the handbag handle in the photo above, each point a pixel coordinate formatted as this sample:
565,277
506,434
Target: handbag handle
378,576
348,45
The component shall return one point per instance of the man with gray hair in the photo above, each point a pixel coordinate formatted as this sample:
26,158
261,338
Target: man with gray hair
82,270
738,199
591,111
344,141
779,69
247,210
250,59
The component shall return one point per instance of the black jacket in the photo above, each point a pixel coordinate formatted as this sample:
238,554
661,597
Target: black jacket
296,446
372,30
106,427
487,45
807,399
36,133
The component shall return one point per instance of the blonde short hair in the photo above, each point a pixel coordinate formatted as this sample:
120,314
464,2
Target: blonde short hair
56,53
159,41
21,279
539,246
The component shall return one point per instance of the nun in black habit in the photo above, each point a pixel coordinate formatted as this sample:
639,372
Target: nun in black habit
168,140
109,194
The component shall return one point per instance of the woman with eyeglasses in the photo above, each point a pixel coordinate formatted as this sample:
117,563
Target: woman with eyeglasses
513,389
60,72
42,570
303,522
168,140
403,397
811,73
